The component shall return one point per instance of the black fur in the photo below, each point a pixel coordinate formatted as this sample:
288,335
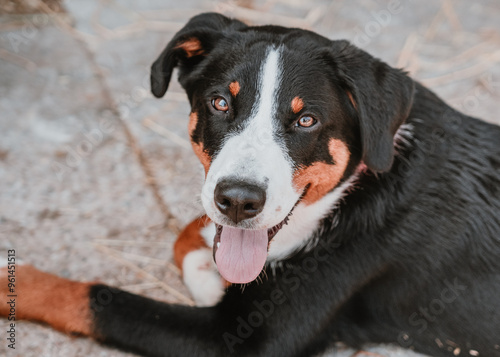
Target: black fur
410,257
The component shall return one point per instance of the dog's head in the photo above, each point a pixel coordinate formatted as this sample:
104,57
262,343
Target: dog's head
280,117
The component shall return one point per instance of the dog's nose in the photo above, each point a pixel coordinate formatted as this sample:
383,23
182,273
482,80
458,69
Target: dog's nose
239,200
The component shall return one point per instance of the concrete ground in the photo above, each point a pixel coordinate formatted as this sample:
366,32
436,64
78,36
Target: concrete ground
91,164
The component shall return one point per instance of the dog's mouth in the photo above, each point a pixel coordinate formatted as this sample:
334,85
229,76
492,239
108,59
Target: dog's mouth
240,254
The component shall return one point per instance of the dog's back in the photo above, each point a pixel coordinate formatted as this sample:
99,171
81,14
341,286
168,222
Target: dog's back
442,283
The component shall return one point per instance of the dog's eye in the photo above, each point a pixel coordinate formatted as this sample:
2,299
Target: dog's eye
220,104
306,121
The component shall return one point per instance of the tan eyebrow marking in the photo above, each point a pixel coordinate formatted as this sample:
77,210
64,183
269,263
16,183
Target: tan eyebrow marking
234,88
192,46
297,105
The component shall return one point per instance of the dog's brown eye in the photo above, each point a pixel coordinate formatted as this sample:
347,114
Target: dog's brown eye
220,104
306,121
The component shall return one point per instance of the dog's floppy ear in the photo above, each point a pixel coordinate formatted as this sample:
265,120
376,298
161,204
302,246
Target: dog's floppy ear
381,95
188,47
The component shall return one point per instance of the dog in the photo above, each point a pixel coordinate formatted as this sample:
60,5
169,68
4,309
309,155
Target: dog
344,202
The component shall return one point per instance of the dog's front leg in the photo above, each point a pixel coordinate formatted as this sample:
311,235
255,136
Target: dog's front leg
282,316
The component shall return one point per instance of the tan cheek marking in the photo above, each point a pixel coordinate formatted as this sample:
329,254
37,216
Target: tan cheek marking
193,121
297,105
351,98
192,47
323,177
203,156
234,88
198,149
61,303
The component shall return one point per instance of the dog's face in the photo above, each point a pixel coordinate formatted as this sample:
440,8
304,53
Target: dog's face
278,119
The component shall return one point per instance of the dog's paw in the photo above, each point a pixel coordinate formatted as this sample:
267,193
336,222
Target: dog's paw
39,296
202,278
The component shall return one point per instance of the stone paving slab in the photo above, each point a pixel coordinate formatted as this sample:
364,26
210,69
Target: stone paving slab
74,199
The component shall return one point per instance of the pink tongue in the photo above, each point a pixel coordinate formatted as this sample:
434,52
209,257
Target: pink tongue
242,254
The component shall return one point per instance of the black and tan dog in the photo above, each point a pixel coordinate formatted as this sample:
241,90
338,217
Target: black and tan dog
352,203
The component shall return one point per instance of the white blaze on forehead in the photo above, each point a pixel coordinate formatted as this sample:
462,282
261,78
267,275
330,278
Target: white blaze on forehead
270,78
254,155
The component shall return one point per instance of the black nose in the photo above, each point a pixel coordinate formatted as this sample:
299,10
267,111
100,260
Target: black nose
239,200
